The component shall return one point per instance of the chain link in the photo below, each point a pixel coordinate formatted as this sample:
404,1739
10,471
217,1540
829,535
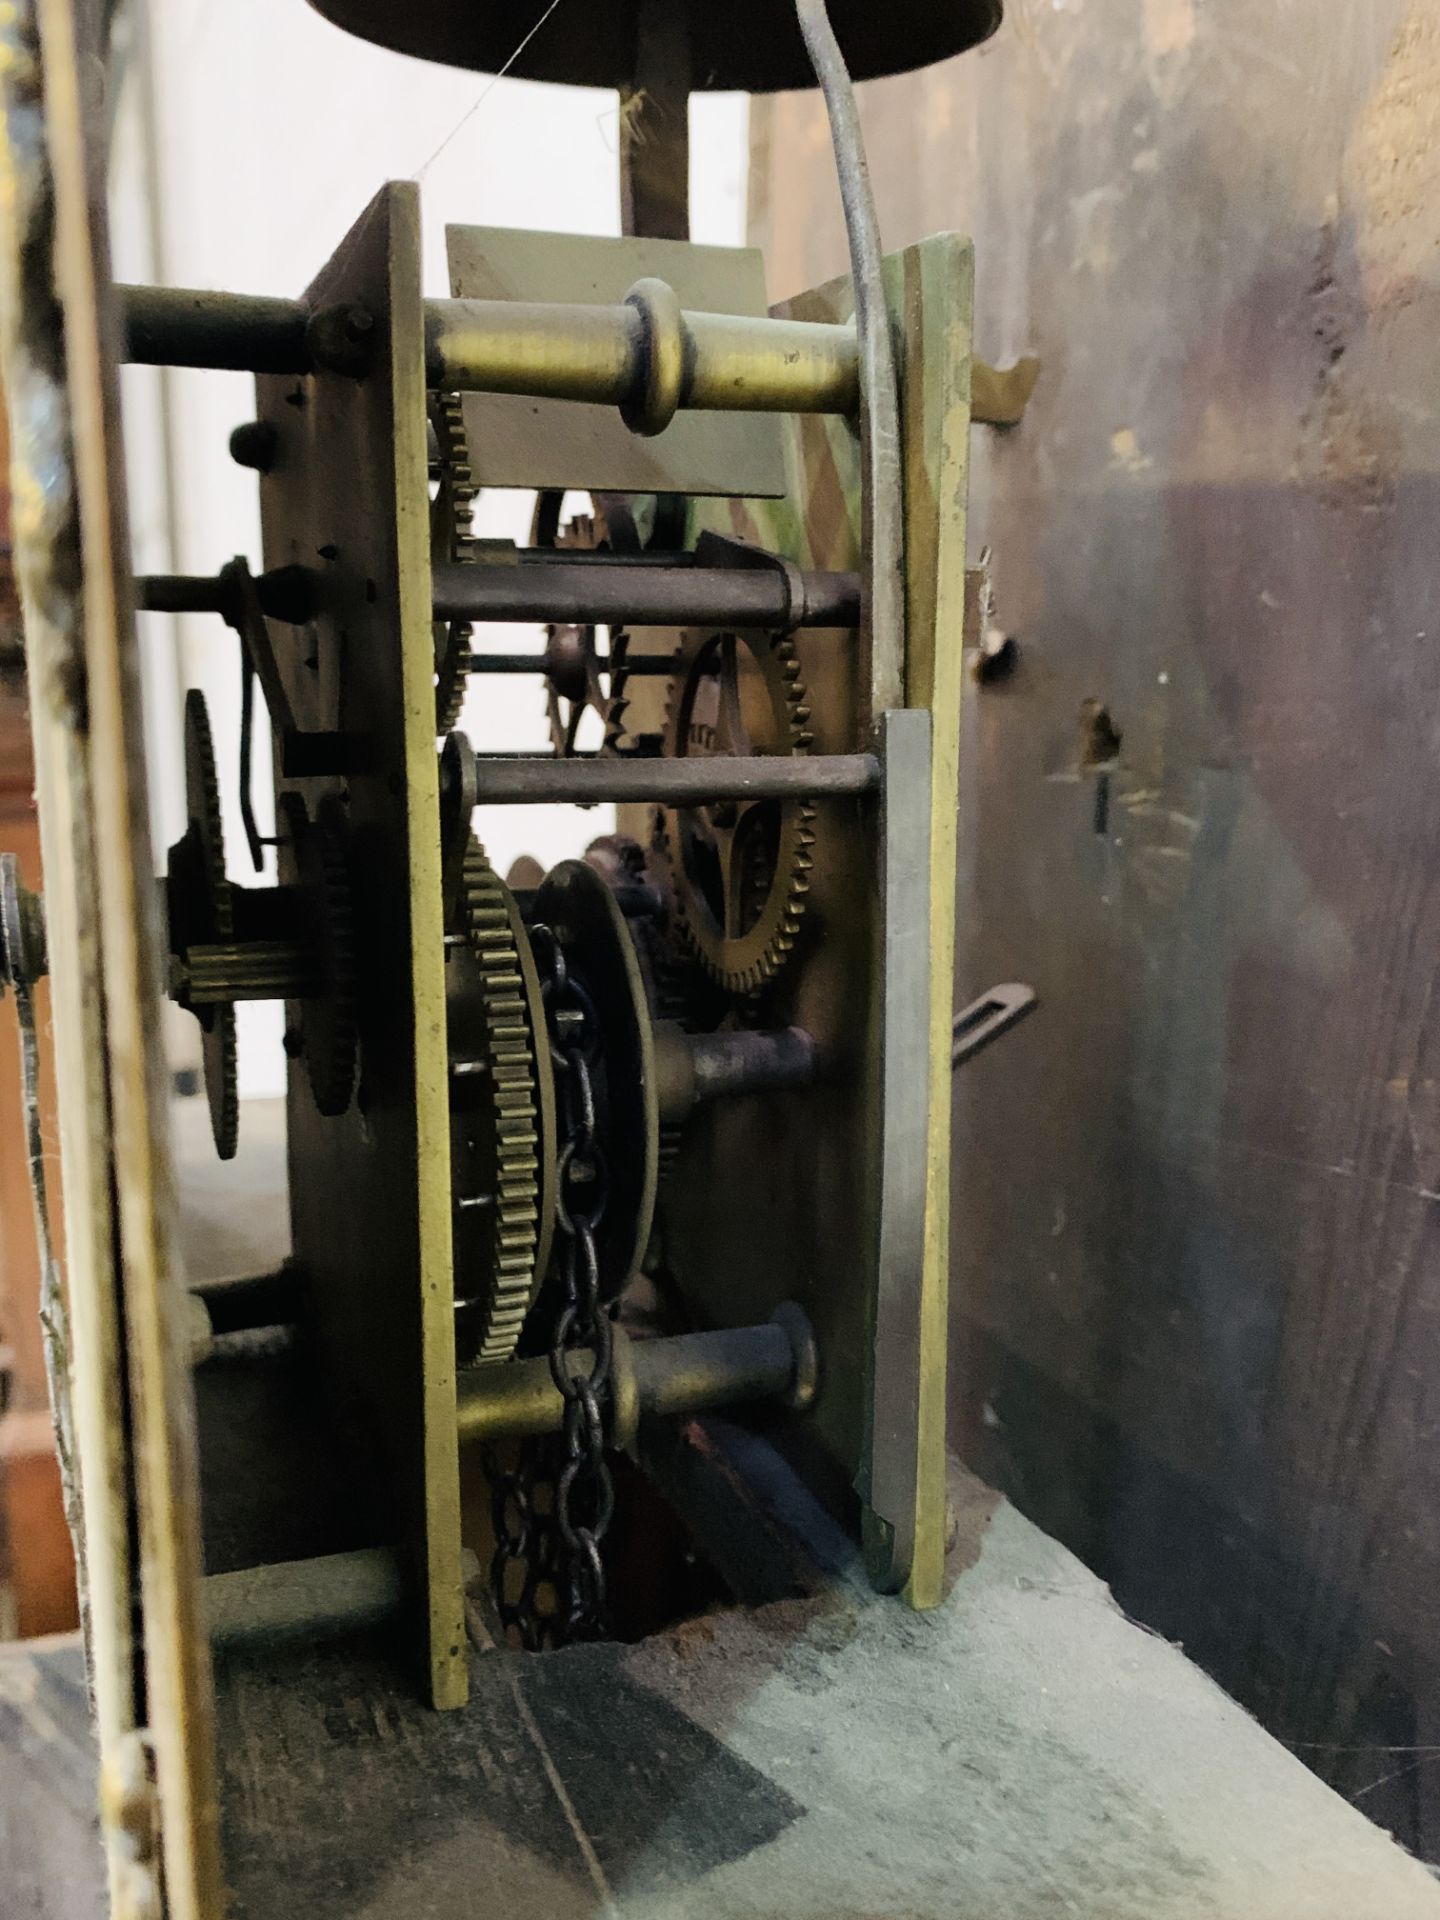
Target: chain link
525,1575
552,1510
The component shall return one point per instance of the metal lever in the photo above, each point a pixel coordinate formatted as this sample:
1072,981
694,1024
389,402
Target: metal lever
987,1018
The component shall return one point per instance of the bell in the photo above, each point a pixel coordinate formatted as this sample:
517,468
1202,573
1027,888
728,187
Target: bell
747,46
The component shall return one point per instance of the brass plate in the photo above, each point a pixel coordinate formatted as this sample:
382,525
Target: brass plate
774,1198
516,442
370,1191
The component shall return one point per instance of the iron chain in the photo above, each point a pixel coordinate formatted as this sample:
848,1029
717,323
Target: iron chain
553,1509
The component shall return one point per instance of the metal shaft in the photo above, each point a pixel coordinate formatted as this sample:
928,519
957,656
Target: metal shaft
285,593
563,593
189,327
302,1599
647,356
674,782
185,327
682,1374
640,666
252,1300
691,1067
601,590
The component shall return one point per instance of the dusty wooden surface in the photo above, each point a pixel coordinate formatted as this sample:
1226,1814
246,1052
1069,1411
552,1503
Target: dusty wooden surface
1024,1751
52,1866
1197,1286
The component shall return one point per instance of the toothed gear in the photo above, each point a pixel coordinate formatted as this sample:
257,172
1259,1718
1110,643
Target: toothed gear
741,870
607,528
450,535
201,909
327,1019
618,705
502,1118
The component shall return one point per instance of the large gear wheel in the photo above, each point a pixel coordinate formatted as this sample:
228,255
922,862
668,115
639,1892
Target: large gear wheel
502,1117
201,909
450,535
740,869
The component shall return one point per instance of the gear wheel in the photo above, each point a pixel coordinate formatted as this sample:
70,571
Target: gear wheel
502,1117
327,1019
202,912
450,534
609,527
741,870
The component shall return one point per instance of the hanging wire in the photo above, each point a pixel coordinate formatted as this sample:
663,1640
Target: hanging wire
485,92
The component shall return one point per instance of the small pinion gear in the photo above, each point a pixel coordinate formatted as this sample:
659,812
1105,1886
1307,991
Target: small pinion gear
502,1118
740,869
326,1019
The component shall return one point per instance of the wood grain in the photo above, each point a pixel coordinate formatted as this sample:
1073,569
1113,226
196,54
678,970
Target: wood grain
1196,1271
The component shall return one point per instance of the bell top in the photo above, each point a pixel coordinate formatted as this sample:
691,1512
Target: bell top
746,46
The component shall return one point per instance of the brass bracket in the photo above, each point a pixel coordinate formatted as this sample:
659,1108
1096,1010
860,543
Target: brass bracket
1000,395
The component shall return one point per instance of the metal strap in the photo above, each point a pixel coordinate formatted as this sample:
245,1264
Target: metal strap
22,945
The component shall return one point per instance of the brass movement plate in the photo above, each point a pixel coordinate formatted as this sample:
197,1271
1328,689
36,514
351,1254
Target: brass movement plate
774,1198
370,1191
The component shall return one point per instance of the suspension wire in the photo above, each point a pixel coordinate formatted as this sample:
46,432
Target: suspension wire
485,92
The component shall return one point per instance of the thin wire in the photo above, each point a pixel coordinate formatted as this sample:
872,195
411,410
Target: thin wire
485,92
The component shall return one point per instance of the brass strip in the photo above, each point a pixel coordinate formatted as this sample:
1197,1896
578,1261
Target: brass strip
936,301
449,1677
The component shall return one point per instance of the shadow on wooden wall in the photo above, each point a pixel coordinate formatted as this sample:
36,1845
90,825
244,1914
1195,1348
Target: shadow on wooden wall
1197,1252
